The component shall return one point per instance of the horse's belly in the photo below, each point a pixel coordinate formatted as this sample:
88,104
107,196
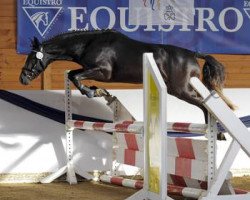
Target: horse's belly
128,75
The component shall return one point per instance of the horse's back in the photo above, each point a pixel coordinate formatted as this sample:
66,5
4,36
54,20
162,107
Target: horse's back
122,53
129,52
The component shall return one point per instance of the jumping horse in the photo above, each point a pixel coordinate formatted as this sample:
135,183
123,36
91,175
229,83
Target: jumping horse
110,56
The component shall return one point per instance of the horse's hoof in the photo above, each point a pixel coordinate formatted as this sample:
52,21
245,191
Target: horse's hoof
221,136
90,94
101,92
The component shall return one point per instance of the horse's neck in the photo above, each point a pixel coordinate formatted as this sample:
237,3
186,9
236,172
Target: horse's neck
66,48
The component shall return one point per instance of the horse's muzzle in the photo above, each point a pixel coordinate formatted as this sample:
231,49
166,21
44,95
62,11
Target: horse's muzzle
24,79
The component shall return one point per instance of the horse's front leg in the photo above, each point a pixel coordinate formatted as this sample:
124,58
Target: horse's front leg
76,76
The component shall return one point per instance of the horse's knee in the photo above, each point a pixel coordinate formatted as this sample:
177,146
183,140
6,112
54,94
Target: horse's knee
72,75
77,77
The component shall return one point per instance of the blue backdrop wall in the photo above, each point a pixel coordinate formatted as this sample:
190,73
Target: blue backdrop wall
205,26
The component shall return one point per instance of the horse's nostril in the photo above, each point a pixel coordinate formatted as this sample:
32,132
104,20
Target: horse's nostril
23,79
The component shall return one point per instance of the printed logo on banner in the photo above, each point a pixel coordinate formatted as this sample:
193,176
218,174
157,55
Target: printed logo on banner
247,7
42,17
247,11
161,12
169,13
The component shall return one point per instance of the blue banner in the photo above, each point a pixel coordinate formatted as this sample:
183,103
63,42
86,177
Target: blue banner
204,26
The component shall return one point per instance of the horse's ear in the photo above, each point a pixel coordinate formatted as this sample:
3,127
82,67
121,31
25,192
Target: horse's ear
35,43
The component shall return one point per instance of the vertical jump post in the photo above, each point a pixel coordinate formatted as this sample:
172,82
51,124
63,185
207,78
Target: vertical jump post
70,168
155,135
71,177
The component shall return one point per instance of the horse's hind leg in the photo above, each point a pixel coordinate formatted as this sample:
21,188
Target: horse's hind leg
76,76
192,97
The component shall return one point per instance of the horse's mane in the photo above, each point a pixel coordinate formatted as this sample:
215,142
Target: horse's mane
77,33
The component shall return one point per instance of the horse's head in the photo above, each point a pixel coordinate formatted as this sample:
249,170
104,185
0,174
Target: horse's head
36,63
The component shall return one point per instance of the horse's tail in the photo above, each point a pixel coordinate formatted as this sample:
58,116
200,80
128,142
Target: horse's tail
214,76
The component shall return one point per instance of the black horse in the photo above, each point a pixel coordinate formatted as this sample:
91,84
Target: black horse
110,56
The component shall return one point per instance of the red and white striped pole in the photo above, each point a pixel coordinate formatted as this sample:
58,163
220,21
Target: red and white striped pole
134,126
107,127
138,184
